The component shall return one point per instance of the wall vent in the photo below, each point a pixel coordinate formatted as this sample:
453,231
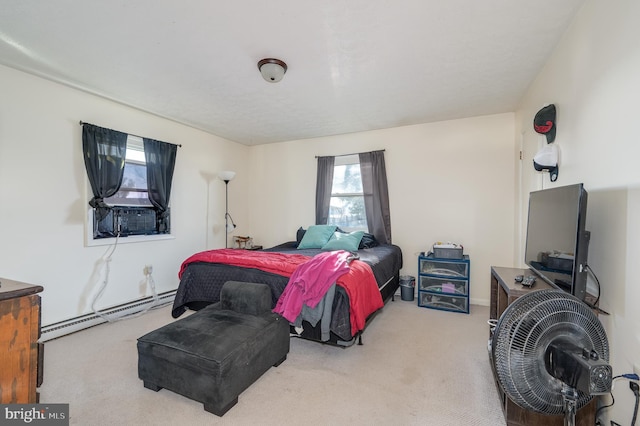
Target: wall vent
83,322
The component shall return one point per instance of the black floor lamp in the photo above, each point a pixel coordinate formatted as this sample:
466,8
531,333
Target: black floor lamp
227,176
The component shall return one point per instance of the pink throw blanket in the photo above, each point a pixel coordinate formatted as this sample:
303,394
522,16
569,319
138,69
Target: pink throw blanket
364,294
310,282
275,263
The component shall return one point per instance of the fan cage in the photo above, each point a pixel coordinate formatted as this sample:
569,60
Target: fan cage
521,337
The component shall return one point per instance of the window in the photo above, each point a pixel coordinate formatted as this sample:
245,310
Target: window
346,208
132,212
107,154
133,191
339,201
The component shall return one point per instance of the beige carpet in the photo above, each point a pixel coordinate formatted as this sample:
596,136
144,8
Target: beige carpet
417,367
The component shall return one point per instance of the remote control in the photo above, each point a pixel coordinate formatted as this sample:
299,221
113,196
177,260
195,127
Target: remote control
529,281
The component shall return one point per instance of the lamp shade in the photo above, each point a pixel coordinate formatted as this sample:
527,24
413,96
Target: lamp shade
227,175
272,70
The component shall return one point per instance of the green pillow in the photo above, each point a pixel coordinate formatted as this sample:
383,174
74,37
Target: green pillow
316,236
342,241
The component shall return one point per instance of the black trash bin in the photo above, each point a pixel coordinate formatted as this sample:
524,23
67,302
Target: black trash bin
407,284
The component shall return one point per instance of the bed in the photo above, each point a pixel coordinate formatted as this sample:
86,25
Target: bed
201,281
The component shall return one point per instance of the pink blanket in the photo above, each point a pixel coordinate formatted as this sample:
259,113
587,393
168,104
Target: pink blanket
363,292
275,263
310,282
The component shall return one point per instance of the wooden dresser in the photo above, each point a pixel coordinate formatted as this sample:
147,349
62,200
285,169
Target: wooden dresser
504,290
20,353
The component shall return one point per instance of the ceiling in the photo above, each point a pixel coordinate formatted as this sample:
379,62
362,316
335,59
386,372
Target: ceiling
354,65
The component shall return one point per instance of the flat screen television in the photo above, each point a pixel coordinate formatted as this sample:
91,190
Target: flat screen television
557,243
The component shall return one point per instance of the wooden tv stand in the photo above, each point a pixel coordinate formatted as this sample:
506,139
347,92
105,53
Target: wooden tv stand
504,290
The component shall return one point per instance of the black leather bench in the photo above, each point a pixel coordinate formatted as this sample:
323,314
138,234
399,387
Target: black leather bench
216,353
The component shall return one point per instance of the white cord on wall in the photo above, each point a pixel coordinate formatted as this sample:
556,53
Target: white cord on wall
105,260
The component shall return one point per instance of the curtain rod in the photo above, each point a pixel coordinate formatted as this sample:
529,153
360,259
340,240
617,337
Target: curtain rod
354,153
141,137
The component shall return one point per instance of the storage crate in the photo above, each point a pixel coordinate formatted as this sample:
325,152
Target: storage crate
444,285
444,302
431,265
448,253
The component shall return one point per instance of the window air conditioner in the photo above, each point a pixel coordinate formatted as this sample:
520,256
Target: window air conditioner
127,221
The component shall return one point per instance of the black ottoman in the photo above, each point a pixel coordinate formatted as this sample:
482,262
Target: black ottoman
216,353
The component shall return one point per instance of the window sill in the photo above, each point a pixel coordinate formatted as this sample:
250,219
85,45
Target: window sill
127,240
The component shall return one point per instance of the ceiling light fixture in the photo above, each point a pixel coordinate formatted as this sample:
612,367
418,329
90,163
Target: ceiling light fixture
272,70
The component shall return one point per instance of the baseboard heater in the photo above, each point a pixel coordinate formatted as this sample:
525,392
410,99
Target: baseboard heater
83,322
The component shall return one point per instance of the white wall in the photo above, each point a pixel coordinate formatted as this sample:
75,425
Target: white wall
448,181
593,78
43,196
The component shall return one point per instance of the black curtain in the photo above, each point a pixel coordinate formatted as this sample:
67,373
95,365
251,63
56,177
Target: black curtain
324,184
376,195
161,161
104,152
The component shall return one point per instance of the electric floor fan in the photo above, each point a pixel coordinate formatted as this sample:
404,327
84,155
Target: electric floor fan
550,353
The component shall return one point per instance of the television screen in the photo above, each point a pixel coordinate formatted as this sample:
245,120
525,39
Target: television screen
557,243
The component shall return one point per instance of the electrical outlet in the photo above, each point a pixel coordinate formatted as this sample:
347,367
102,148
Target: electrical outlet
148,269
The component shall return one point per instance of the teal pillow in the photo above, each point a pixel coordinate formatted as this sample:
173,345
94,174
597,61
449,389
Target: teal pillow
316,236
342,241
